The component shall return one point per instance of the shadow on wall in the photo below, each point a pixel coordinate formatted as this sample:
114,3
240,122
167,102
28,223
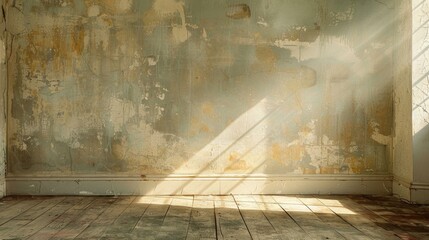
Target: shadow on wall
139,88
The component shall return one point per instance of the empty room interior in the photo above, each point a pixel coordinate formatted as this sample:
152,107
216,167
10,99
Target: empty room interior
214,119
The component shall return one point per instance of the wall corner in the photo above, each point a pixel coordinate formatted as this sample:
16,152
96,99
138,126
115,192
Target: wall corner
402,169
3,103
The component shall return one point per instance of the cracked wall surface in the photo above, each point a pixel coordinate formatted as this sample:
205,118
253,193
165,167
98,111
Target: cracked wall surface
199,87
420,90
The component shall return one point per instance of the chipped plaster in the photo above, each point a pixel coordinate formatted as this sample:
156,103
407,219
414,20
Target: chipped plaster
173,87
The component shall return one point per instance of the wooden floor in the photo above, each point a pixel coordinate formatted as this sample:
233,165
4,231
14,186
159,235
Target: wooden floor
212,217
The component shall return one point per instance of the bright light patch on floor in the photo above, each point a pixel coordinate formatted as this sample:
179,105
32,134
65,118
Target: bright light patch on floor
331,202
342,210
295,208
321,209
252,203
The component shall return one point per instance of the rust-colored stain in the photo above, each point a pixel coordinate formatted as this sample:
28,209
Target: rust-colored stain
306,129
78,35
294,152
111,6
238,11
208,109
282,154
347,133
236,163
381,112
62,50
355,164
205,128
277,152
39,52
141,87
333,169
151,20
198,127
267,58
369,163
35,41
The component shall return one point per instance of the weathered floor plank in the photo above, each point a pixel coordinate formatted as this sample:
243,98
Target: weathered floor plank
358,217
307,220
229,222
123,226
39,216
337,223
80,204
17,209
11,227
257,223
105,220
9,201
213,217
78,224
150,223
279,219
39,209
202,224
176,221
395,220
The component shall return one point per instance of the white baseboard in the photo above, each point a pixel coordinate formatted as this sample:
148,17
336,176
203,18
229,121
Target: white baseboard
401,189
192,185
420,193
412,192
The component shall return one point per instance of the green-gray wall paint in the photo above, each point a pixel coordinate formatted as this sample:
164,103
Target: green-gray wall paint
200,87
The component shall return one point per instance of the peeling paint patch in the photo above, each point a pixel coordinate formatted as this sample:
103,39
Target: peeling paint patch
262,22
339,17
298,34
93,11
198,87
238,11
377,136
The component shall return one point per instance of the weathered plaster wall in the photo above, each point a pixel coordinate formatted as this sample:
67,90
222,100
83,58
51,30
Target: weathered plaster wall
402,141
200,87
3,103
421,91
420,102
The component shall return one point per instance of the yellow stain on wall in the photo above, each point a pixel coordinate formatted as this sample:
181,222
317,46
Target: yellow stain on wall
77,38
267,58
282,154
197,127
235,163
208,109
356,164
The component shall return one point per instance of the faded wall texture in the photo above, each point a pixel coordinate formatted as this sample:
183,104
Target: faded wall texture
3,103
420,91
403,138
200,87
3,121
